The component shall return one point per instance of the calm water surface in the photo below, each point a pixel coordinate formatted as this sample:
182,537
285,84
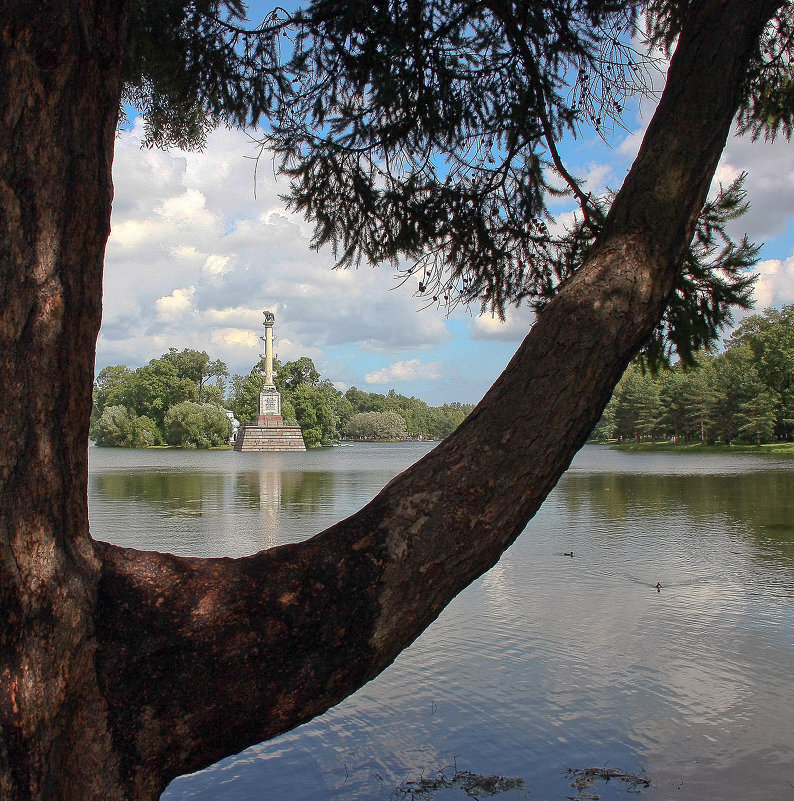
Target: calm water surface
547,661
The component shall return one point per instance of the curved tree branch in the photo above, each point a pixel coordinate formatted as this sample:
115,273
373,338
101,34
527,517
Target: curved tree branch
277,20
269,641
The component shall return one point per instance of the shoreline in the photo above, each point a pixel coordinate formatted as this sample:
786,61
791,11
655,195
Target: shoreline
772,448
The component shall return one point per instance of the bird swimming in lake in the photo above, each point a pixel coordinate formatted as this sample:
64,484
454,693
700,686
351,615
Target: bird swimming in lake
568,554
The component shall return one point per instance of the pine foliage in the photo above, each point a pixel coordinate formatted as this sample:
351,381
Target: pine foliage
191,66
429,131
426,135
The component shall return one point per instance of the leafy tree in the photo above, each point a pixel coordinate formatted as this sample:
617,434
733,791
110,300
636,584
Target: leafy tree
720,397
376,425
154,388
122,669
244,395
756,418
215,393
288,413
365,401
196,425
118,427
715,397
314,415
672,397
631,396
339,408
445,419
650,411
111,386
606,428
770,335
390,426
291,375
736,381
361,425
197,367
420,419
313,403
150,391
698,398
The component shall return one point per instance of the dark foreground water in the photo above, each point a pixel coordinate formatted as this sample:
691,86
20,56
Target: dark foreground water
547,662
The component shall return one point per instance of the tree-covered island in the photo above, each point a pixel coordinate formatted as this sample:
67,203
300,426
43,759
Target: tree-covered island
181,399
742,395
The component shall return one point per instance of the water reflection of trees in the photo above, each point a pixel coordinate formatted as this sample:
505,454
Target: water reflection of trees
175,493
759,503
191,493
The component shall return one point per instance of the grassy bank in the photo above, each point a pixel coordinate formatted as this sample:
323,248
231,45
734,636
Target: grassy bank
776,448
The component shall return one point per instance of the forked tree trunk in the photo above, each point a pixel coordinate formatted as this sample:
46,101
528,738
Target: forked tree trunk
119,669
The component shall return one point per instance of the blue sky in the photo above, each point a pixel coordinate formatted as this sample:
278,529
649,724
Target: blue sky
200,246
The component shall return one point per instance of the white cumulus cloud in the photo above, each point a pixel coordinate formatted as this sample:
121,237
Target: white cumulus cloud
216,264
245,337
408,370
188,208
775,284
513,328
202,243
177,304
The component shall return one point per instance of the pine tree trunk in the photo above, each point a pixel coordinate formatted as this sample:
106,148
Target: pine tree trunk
59,100
121,669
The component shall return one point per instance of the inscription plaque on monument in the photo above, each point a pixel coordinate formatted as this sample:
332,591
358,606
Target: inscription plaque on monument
269,401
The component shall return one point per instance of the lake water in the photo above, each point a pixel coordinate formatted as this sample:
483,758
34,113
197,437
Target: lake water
548,661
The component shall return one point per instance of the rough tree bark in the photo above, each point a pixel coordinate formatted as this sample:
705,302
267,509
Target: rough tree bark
59,98
120,669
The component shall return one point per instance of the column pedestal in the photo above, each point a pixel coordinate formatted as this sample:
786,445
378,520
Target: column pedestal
266,438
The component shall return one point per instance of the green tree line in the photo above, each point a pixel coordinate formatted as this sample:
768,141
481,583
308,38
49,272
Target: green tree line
325,414
182,397
745,394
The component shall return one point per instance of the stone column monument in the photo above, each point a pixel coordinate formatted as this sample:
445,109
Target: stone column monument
268,432
269,412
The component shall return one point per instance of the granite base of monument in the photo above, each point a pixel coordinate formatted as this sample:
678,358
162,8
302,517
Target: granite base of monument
269,434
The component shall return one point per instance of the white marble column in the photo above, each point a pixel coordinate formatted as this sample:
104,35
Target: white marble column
268,340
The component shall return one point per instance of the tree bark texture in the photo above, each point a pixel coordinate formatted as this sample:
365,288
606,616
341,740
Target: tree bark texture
59,100
121,669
